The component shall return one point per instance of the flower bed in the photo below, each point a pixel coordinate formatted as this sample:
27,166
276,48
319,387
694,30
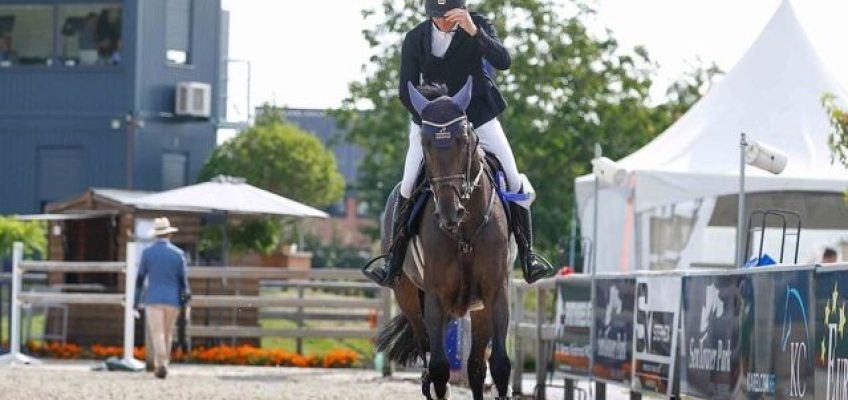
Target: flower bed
221,355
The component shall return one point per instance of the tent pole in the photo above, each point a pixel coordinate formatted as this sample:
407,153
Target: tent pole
740,235
225,251
599,152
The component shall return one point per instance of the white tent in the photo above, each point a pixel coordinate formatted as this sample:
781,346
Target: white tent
773,94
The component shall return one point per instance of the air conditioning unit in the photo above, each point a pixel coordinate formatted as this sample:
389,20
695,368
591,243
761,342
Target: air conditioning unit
194,99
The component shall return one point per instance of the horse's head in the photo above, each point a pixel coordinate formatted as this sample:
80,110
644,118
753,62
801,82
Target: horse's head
449,146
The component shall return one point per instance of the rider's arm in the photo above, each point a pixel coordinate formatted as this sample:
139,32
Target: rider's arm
487,38
410,71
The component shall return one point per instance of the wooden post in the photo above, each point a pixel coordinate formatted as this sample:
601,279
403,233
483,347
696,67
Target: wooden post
299,317
518,370
385,318
568,387
541,360
600,391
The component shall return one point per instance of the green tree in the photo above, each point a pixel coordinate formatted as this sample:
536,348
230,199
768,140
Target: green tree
281,158
566,89
32,234
838,139
278,157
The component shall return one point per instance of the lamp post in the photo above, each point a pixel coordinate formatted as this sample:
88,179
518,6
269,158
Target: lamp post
761,156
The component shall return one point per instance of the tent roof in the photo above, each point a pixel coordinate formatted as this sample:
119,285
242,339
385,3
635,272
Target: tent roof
229,195
773,94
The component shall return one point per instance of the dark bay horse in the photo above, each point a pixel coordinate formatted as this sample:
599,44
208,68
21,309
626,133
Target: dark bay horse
464,243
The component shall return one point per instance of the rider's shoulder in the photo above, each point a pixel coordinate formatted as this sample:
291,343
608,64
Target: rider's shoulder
420,28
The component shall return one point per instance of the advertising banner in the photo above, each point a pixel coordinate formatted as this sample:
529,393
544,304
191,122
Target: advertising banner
748,335
613,315
655,336
831,345
573,347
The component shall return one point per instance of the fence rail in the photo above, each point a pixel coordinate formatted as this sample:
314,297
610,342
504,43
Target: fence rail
257,332
62,266
221,301
72,298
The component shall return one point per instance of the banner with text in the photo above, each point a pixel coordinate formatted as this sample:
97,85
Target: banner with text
778,333
573,347
613,315
711,307
748,335
831,359
655,337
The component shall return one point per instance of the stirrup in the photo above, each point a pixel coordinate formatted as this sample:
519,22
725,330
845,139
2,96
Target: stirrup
379,275
546,270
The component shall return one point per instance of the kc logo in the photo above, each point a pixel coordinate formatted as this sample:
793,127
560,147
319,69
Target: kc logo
797,349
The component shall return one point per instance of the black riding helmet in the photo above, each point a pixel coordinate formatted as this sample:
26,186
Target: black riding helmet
438,8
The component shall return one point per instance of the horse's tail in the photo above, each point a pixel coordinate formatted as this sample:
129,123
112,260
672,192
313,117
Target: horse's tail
397,340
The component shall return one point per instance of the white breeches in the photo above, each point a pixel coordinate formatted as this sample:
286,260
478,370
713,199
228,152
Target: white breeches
492,139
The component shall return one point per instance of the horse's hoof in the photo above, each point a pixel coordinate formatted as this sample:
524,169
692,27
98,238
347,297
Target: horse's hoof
447,391
476,305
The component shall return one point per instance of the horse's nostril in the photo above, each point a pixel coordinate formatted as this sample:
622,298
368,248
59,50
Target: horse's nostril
460,213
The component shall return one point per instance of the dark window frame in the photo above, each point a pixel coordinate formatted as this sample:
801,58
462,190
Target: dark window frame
189,62
53,64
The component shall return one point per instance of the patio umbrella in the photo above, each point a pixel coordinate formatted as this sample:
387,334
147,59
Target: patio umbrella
229,195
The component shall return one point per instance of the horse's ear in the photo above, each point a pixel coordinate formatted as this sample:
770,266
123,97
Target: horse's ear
463,97
419,102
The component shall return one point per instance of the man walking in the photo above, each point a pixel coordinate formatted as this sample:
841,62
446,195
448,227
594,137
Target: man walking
163,266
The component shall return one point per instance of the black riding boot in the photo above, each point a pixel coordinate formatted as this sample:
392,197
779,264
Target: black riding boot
387,272
533,266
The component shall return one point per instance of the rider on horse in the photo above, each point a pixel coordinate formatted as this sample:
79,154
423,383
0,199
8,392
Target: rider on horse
450,46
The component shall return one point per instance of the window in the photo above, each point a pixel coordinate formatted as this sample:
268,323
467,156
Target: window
89,34
178,31
174,170
26,35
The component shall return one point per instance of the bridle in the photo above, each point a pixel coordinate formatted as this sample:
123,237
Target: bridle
468,185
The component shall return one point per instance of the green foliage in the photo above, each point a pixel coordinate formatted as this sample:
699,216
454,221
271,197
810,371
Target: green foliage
262,236
278,157
838,139
32,234
566,89
333,254
281,158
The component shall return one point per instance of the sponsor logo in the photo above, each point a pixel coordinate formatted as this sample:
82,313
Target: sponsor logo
652,327
797,349
701,355
837,368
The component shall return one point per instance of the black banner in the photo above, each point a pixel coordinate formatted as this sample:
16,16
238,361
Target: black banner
655,338
613,347
711,307
831,359
573,325
748,335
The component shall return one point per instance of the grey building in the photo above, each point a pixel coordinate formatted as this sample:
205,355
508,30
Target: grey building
106,93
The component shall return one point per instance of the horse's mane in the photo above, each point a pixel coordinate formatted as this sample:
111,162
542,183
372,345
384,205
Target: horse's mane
433,90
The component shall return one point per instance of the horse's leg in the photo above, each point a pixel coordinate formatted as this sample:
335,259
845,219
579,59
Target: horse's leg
439,368
481,335
499,360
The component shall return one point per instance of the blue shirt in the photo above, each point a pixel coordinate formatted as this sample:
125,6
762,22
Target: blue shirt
164,267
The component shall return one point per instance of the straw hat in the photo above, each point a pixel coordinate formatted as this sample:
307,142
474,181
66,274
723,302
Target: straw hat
162,226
